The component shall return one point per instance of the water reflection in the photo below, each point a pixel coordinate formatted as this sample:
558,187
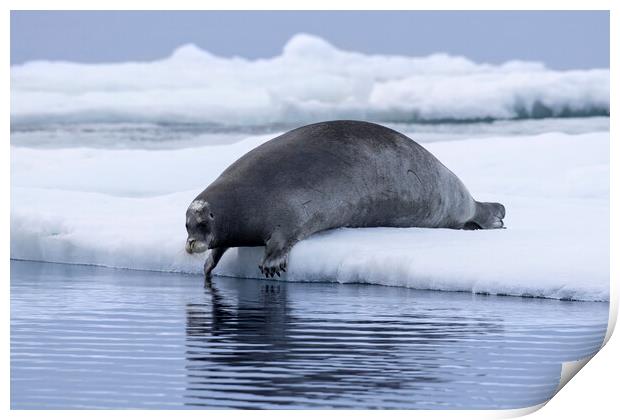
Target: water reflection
86,337
253,350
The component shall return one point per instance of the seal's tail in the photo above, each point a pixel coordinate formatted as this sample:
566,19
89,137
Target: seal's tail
488,216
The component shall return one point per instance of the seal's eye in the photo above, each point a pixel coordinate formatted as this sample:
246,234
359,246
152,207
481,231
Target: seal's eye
211,215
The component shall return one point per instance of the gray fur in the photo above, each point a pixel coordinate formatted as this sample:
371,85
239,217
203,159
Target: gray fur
324,176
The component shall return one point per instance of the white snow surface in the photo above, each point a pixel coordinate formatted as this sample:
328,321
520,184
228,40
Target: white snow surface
126,209
310,80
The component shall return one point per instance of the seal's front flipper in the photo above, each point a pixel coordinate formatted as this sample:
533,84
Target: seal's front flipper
273,264
488,216
214,257
276,255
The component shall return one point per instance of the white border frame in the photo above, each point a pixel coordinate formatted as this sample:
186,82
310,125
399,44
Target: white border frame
593,393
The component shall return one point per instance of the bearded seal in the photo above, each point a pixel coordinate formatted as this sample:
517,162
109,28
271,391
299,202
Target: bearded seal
324,176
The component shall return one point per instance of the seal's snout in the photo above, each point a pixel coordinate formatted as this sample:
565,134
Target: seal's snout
192,246
188,246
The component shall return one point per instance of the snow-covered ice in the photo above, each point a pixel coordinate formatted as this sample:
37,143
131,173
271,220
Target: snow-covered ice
310,80
125,208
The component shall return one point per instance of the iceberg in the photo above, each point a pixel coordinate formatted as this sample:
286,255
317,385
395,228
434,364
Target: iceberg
310,80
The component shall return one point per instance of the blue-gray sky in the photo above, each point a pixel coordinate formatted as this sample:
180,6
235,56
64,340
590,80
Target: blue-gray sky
562,40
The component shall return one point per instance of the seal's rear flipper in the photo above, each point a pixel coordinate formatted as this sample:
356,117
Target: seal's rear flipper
488,216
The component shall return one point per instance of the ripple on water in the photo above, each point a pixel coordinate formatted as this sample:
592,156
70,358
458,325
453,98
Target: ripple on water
86,337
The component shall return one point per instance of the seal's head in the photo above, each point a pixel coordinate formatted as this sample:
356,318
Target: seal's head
198,222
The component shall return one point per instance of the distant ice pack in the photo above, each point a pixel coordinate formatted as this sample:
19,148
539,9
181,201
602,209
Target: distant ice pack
310,80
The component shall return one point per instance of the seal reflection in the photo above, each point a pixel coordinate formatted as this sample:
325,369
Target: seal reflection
247,348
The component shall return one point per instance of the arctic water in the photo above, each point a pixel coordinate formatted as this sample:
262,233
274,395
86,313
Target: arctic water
91,337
